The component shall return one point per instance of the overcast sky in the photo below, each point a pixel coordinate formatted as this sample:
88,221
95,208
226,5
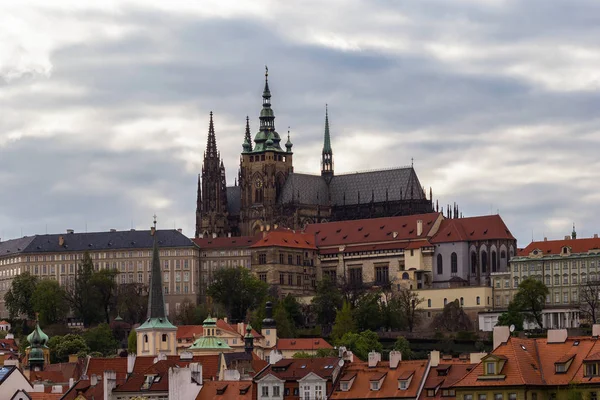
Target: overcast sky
104,104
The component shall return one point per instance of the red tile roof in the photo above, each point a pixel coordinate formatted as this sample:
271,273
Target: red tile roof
44,396
287,238
161,368
237,390
302,344
361,387
210,364
98,365
554,247
188,331
373,230
473,228
84,388
294,369
453,370
226,242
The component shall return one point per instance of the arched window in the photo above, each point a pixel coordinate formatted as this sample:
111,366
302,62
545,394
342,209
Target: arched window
494,262
145,338
440,266
454,264
484,262
473,263
164,337
478,300
445,301
462,301
405,276
428,302
516,282
502,255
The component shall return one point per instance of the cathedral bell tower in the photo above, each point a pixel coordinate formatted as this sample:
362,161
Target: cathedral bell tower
211,205
264,169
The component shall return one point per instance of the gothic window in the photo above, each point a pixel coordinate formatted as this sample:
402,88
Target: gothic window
356,276
440,267
453,264
473,263
484,262
494,262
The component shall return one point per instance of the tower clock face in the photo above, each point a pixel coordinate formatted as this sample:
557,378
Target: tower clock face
258,183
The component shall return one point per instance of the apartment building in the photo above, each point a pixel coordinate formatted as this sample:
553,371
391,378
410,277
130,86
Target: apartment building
56,256
565,266
221,252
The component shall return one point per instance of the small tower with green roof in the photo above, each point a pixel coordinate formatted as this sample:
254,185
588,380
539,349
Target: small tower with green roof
157,334
37,353
249,340
209,342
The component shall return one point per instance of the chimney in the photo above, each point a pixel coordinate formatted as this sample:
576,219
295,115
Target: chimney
152,230
93,380
73,358
179,230
501,335
595,236
275,357
225,319
71,382
557,336
130,362
113,230
231,375
545,239
56,389
395,358
9,336
395,235
434,358
196,369
109,383
264,234
162,356
1,358
228,234
419,227
214,235
374,358
38,388
475,358
567,237
201,236
596,330
61,241
69,231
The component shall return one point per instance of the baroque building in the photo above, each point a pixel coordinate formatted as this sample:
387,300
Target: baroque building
269,194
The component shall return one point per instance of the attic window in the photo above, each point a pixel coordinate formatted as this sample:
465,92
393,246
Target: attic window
325,237
382,226
338,231
448,234
472,233
345,236
296,241
222,389
485,232
285,240
411,231
523,347
360,229
303,366
576,343
367,234
404,225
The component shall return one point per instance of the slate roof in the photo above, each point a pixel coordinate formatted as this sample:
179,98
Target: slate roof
105,240
15,246
391,184
234,199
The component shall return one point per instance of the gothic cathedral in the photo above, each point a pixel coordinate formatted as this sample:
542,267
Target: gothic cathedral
268,194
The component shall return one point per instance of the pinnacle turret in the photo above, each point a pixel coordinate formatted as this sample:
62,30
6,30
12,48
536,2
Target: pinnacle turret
327,154
211,141
247,146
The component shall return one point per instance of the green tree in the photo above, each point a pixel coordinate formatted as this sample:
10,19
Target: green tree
302,354
63,346
132,302
294,310
104,285
327,353
403,346
367,313
101,339
18,299
326,302
530,300
408,305
187,313
132,342
81,294
285,325
237,290
49,301
344,322
452,319
511,317
361,343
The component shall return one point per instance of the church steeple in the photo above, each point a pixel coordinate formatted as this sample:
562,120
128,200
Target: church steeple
157,334
267,138
211,141
247,146
327,153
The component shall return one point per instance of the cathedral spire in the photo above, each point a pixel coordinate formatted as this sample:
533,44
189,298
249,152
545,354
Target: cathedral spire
327,153
211,141
267,138
156,302
247,138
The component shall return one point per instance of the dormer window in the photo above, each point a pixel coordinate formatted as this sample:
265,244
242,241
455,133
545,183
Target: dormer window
490,368
591,369
375,385
562,365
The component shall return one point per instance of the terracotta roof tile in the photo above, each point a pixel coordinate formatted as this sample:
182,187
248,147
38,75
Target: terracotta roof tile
98,365
238,390
226,242
453,369
44,396
287,238
554,247
361,387
294,369
302,344
472,228
375,230
188,331
210,364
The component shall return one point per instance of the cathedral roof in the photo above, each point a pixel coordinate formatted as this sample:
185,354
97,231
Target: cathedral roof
485,227
380,185
234,198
